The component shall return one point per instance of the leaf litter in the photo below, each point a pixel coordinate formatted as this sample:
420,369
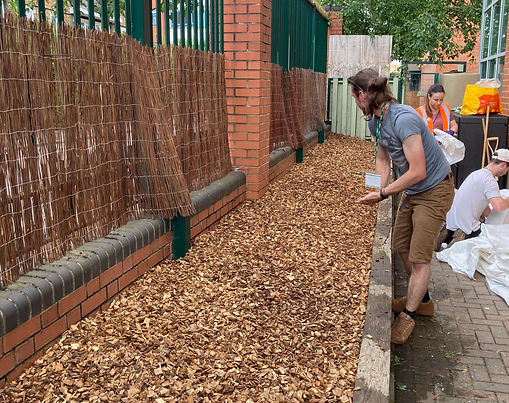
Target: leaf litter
268,305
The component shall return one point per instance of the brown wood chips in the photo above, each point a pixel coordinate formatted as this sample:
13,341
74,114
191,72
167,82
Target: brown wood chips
267,306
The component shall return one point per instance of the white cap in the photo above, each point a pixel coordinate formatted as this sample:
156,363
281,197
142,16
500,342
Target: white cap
502,154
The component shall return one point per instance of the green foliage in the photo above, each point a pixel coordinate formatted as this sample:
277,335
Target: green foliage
421,30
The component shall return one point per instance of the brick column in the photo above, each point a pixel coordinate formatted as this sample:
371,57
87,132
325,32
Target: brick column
504,89
247,47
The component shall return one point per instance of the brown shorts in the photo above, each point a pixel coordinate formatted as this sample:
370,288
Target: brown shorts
419,221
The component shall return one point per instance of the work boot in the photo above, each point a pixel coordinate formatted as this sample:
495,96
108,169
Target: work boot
424,308
402,328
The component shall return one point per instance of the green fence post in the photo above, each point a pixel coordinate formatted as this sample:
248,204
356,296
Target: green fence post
174,21
159,34
91,14
167,22
141,12
299,155
195,24
181,228
22,8
105,21
116,15
321,136
207,25
76,8
42,10
182,24
189,39
60,11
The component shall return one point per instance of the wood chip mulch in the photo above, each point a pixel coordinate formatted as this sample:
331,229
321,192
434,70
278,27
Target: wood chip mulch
267,306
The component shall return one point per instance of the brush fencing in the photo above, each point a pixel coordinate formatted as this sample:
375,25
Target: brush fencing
96,130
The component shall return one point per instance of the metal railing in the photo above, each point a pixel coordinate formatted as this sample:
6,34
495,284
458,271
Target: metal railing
299,35
189,23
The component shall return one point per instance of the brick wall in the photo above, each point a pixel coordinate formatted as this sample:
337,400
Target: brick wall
336,23
247,47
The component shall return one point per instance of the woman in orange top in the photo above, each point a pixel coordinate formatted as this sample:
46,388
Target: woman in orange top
437,113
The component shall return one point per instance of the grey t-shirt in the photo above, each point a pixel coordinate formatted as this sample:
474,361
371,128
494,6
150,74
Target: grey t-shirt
399,122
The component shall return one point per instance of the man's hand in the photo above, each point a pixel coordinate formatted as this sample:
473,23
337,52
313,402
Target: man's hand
370,199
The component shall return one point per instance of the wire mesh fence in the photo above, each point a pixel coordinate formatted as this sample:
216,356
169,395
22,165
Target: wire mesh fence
298,105
96,130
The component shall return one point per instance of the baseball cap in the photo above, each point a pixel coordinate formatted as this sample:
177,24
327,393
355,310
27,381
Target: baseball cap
502,154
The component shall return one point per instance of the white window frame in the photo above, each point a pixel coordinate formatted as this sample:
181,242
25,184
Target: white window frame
499,56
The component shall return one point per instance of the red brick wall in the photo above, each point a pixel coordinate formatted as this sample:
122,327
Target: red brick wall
247,47
336,23
504,91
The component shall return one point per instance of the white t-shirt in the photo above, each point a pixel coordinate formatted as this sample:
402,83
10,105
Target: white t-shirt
471,199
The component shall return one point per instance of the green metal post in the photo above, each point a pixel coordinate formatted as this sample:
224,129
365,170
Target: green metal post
181,229
77,12
201,19
207,25
128,20
195,24
167,22
105,23
299,155
174,21
159,35
116,15
213,26
321,136
142,21
42,10
189,39
91,14
22,8
60,11
221,26
182,24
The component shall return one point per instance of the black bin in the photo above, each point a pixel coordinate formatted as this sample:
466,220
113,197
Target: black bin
470,132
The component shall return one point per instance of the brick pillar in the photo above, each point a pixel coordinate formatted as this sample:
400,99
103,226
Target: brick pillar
336,23
247,35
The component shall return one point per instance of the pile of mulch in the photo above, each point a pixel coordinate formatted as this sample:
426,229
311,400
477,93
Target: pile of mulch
268,305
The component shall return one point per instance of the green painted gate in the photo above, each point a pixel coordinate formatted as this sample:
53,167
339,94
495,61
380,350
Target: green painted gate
346,118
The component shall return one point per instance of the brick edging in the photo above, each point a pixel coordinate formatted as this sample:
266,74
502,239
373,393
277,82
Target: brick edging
374,381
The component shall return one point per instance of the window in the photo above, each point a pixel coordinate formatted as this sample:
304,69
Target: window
493,38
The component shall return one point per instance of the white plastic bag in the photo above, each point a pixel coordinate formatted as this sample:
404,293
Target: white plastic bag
453,148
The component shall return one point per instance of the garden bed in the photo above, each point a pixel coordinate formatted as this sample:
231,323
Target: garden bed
268,305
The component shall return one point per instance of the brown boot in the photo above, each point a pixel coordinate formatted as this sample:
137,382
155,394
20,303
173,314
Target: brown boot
402,328
424,308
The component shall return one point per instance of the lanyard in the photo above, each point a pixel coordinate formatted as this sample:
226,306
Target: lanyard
377,133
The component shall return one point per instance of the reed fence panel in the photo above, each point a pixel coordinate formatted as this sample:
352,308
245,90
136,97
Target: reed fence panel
96,130
298,105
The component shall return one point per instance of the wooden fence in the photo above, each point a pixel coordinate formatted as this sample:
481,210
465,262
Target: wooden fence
346,117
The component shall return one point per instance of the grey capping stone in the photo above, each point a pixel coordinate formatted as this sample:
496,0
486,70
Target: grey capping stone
276,156
8,316
21,304
76,270
64,273
103,257
33,295
143,228
133,232
149,224
83,262
55,280
44,287
88,259
206,197
128,244
113,248
311,136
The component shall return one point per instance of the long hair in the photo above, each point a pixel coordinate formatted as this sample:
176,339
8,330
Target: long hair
374,86
434,89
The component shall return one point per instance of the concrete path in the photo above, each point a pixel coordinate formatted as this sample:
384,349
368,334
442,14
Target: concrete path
461,354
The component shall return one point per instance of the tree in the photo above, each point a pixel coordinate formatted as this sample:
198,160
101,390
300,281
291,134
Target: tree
433,30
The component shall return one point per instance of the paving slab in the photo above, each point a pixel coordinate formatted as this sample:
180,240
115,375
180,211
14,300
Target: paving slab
461,354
